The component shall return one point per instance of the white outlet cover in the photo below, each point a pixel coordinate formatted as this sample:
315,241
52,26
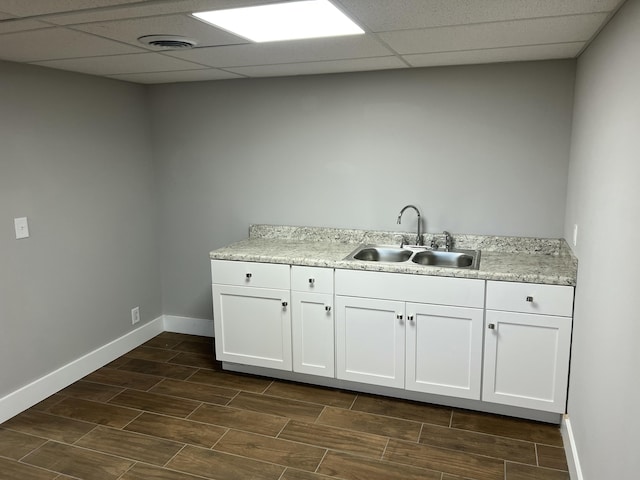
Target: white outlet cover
575,235
22,227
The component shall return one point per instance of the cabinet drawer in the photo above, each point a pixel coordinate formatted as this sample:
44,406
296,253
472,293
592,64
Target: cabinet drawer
251,274
312,279
462,292
530,298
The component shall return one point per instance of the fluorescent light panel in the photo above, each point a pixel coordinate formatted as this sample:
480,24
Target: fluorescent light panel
283,21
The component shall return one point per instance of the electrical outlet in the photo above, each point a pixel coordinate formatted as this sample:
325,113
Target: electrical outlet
22,227
135,315
575,234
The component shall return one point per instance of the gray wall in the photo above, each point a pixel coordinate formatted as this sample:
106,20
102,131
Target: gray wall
480,149
604,200
75,158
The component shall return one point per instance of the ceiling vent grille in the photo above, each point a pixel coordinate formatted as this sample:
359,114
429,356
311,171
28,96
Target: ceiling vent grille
168,42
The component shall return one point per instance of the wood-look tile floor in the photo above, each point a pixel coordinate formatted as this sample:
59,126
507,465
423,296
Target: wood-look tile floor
166,411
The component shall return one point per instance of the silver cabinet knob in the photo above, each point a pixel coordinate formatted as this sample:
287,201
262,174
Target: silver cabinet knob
312,281
399,316
529,299
248,276
327,308
492,326
410,318
284,304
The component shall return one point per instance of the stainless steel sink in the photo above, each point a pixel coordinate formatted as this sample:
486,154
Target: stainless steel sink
469,259
455,259
383,254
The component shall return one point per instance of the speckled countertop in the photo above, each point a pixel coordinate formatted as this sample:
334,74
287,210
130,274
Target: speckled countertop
517,259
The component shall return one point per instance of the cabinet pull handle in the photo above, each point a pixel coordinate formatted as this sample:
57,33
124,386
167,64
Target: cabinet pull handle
492,326
284,304
410,318
327,308
529,299
399,316
248,276
312,281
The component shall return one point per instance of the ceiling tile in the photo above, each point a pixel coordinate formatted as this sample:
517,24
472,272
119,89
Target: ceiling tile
383,15
318,49
510,54
20,25
116,64
128,31
148,9
57,43
23,8
331,66
495,35
181,76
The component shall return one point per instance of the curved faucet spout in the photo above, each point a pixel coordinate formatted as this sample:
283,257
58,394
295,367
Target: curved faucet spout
419,235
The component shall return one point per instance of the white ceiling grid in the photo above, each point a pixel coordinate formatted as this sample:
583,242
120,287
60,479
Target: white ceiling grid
99,37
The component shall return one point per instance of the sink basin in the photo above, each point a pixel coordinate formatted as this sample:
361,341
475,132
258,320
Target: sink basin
457,259
383,254
469,259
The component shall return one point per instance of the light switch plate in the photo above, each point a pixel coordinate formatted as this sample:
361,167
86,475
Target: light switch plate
22,227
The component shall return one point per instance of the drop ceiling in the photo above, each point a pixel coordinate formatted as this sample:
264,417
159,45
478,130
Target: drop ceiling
99,37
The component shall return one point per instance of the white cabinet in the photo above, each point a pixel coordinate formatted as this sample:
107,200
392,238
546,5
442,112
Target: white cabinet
527,345
444,350
396,340
252,324
370,341
312,325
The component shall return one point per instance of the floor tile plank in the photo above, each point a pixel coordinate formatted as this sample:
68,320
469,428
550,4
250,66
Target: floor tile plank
269,449
91,391
418,412
48,426
248,383
444,460
153,402
516,471
122,378
335,438
255,422
311,393
141,471
130,445
196,360
160,369
303,411
551,457
16,445
149,353
352,467
78,462
370,423
222,466
12,470
94,412
479,443
507,427
195,391
177,429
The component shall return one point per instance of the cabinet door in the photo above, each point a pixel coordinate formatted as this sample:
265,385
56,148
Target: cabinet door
444,350
370,341
312,333
252,326
526,360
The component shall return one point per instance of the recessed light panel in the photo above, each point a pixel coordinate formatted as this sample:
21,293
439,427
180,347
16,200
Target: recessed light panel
283,21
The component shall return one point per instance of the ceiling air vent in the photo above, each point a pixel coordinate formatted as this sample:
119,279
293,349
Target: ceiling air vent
173,42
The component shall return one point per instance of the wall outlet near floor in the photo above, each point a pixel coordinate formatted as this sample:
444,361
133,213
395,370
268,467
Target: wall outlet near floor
22,227
575,234
135,315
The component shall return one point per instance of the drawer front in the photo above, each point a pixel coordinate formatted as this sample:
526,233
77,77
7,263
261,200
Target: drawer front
462,292
251,274
312,279
530,298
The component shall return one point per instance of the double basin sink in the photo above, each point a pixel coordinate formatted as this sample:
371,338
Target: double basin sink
469,259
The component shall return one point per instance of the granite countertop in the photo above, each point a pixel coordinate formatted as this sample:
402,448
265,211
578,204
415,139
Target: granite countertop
517,259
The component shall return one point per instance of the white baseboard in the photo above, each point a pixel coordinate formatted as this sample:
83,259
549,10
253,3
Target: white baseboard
188,325
38,390
570,449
